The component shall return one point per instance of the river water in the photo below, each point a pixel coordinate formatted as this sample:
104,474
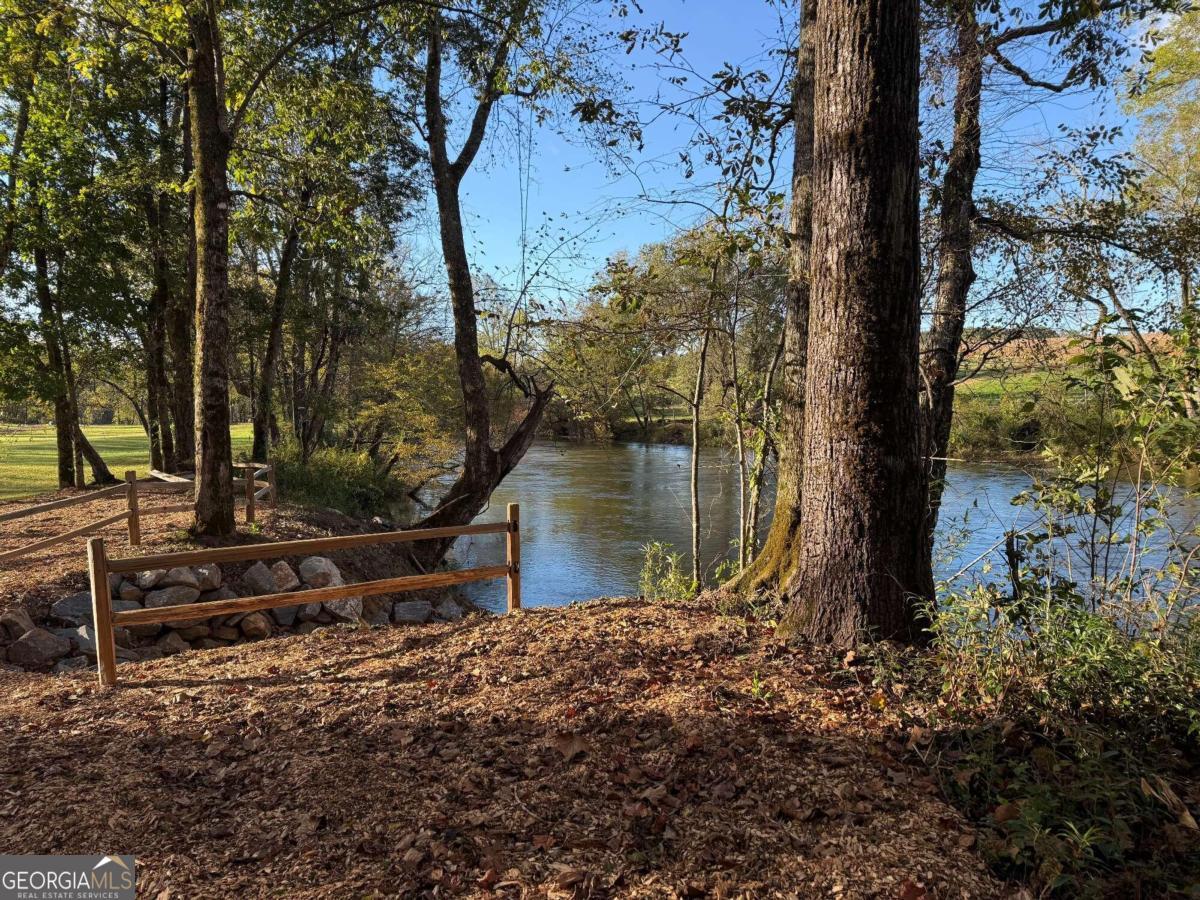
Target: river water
587,511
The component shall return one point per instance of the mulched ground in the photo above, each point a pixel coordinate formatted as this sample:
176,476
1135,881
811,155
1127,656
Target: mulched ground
613,749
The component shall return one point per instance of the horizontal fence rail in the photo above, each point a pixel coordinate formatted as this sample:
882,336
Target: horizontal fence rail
132,514
100,567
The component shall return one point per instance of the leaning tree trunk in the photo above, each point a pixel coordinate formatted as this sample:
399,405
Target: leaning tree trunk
956,272
210,151
64,431
775,564
483,466
863,566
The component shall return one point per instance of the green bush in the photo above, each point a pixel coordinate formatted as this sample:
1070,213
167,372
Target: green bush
663,576
1064,701
339,479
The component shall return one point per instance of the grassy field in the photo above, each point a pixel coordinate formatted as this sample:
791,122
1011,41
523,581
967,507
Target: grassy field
28,459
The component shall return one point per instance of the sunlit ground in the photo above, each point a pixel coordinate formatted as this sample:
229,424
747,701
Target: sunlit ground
28,458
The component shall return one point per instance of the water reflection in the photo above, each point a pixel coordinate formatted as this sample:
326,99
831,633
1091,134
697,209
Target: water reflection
587,511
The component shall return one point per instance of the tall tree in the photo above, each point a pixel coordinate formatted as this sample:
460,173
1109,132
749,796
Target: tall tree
863,567
1079,46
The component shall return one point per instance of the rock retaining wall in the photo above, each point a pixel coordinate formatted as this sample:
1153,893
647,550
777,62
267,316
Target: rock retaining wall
67,639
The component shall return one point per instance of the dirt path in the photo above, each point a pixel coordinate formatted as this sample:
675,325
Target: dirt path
614,749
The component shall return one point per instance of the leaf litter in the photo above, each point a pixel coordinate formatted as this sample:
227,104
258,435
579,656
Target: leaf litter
618,748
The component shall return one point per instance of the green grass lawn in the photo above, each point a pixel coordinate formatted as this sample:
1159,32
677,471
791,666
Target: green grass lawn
29,460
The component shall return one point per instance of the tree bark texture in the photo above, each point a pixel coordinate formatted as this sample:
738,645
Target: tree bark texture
210,152
864,567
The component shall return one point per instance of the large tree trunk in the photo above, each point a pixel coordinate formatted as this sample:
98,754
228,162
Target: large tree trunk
283,282
956,272
772,568
864,566
483,467
210,151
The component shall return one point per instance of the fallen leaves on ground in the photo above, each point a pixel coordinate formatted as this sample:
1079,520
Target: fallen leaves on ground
611,749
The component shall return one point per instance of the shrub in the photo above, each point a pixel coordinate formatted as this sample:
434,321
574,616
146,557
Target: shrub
339,479
663,574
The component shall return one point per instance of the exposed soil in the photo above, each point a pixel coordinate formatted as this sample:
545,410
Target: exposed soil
618,748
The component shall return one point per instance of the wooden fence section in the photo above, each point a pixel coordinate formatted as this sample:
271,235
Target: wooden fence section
132,513
256,488
100,566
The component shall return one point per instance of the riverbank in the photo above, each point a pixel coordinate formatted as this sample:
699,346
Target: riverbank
619,748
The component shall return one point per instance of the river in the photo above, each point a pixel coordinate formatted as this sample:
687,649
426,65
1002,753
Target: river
587,511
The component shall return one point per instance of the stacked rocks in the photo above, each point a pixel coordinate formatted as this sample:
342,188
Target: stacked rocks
68,640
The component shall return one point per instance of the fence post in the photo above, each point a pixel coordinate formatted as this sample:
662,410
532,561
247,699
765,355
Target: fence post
274,484
250,470
514,556
106,651
131,501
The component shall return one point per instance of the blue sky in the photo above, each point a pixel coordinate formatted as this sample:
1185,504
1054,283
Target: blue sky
544,181
570,204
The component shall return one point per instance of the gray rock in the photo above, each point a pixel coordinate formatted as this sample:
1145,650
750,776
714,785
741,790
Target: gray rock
172,596
349,609
285,578
145,631
114,583
150,578
221,593
319,572
307,627
413,612
74,610
15,622
130,591
256,625
38,649
449,611
171,643
258,580
226,633
194,632
77,609
71,664
285,615
209,576
376,611
85,639
180,575
308,611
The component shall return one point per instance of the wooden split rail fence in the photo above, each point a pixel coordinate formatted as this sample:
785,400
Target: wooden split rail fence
105,620
132,514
